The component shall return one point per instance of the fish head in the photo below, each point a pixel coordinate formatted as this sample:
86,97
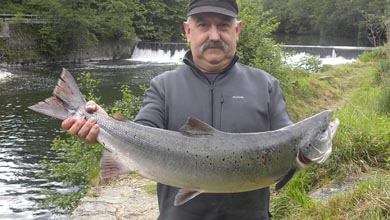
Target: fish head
316,146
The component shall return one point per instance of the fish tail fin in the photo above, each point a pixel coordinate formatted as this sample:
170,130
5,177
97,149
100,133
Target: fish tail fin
66,101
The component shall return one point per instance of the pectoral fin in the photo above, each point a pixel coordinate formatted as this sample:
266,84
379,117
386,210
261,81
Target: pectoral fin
285,179
185,195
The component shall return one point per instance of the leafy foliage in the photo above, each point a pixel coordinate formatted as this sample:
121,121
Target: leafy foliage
256,46
360,19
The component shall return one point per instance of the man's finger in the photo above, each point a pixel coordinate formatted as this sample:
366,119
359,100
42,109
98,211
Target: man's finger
85,129
77,125
67,123
92,135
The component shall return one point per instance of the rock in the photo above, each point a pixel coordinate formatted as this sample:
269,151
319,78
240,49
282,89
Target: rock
121,199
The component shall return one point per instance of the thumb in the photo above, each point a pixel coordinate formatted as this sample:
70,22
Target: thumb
90,106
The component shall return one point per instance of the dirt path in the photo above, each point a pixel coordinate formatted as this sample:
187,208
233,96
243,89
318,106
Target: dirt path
122,198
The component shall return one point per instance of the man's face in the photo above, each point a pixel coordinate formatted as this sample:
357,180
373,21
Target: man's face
213,39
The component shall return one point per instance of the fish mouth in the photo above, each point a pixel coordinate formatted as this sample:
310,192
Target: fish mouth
303,159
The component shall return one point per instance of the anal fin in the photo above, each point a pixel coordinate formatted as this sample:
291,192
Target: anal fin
185,195
285,179
111,166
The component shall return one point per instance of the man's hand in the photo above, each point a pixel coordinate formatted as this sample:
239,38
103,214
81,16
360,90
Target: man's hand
87,130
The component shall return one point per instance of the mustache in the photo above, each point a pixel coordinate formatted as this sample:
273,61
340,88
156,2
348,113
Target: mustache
214,44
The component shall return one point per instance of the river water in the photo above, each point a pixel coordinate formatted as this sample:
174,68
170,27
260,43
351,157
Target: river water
25,136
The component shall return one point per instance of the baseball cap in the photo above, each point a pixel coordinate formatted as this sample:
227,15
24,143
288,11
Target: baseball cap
225,7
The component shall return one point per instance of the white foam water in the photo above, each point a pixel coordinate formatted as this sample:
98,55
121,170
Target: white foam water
4,75
157,56
296,60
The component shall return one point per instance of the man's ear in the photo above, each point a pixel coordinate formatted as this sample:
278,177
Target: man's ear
187,30
238,29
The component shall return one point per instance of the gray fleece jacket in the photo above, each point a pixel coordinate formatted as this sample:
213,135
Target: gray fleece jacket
240,99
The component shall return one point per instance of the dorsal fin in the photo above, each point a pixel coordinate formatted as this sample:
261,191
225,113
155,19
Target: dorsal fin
194,126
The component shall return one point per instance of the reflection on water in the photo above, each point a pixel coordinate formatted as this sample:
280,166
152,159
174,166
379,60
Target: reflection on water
25,136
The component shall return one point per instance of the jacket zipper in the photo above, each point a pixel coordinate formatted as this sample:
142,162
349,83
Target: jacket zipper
221,100
212,103
212,99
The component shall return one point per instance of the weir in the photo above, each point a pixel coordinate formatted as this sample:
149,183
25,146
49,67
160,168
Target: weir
328,51
159,52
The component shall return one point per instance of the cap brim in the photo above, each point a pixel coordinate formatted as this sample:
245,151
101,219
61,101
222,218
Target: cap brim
211,9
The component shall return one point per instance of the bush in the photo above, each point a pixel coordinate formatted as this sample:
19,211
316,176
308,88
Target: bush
378,53
256,46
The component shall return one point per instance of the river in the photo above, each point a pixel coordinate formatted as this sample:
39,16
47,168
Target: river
25,136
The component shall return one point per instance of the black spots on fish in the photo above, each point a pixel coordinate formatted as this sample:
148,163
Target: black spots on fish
307,147
223,159
207,156
135,136
266,156
169,149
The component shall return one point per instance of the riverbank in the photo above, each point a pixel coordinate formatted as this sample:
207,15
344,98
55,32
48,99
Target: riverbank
126,197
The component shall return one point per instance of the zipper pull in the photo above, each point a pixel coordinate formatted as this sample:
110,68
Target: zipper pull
222,100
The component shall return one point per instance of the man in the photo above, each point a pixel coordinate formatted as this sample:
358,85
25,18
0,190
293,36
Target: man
212,86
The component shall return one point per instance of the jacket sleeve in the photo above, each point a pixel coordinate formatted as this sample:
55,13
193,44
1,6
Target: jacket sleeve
153,111
279,117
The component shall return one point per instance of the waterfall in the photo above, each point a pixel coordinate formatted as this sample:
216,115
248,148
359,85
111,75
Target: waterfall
334,54
328,51
156,52
4,74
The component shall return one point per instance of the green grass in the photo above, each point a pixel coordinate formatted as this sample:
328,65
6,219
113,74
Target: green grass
361,148
150,189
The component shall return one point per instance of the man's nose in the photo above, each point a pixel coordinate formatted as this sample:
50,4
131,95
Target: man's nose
214,33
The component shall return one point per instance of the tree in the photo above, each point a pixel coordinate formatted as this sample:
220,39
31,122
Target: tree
160,20
78,24
256,46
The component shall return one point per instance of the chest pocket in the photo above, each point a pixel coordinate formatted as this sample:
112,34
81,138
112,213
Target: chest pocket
240,112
